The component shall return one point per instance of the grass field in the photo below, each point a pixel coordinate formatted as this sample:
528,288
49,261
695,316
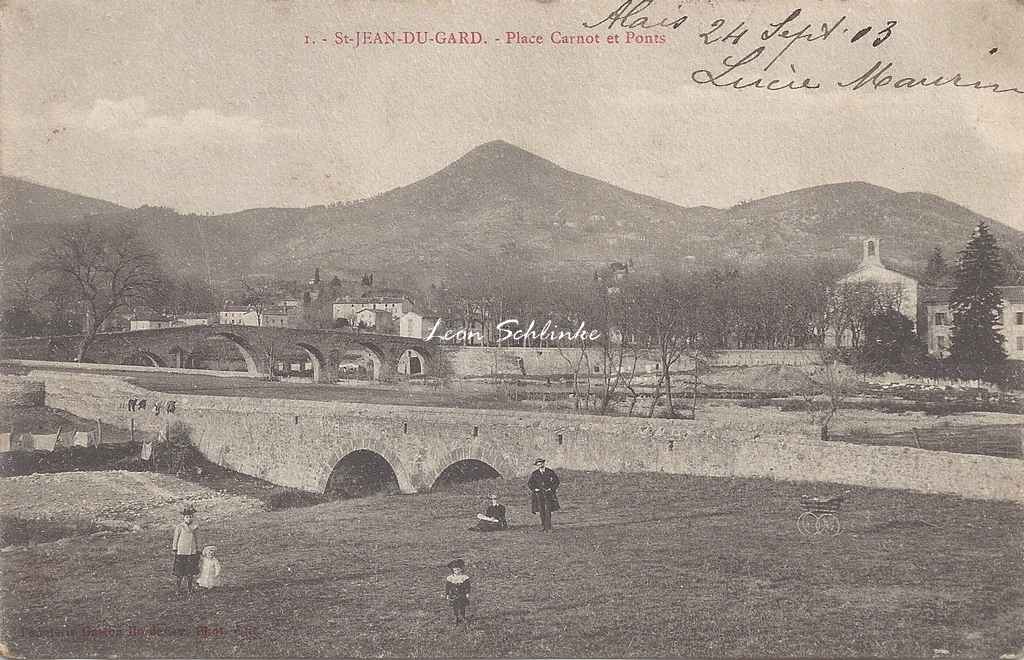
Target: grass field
638,565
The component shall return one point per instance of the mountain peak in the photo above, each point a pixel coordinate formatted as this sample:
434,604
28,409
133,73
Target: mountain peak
498,150
494,163
496,146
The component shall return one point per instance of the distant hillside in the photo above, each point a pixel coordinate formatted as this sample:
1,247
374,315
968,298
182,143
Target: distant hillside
24,203
28,212
835,218
499,206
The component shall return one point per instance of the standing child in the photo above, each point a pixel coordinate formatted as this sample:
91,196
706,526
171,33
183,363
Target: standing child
456,589
185,547
209,568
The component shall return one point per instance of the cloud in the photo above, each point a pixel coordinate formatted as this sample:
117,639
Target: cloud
130,119
107,115
202,125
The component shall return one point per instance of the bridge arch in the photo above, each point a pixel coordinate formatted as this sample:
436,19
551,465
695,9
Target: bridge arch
140,354
413,362
181,358
485,455
316,357
377,356
327,469
249,354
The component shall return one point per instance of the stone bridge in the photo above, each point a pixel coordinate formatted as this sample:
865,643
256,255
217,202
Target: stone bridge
258,346
316,446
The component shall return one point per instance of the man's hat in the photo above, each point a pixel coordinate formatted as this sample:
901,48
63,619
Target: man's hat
457,563
539,461
188,510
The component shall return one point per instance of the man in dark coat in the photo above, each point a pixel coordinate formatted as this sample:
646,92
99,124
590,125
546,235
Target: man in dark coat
543,486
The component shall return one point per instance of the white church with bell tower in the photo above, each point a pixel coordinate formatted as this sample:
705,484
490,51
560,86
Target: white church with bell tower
904,287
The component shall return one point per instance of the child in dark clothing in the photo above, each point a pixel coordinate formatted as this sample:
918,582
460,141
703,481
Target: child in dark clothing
456,589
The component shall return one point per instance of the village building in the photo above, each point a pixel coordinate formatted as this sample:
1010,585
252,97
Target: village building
273,317
378,319
938,331
195,319
348,306
415,324
900,284
928,306
150,321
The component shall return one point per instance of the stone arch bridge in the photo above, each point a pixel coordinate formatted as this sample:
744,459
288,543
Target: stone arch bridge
302,444
175,347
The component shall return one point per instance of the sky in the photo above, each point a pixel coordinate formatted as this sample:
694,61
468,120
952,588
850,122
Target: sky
214,107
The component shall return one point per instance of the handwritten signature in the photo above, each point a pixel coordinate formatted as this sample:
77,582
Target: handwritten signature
879,75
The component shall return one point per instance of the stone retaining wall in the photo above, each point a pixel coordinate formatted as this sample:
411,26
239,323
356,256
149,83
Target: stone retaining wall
488,360
21,392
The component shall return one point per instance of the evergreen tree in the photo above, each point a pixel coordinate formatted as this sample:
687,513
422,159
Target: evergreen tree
976,304
890,344
936,269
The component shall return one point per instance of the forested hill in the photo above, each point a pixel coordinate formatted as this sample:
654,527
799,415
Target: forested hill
500,205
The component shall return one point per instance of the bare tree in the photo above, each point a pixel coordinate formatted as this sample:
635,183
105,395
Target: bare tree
258,297
104,269
851,304
826,393
674,317
612,316
269,351
569,306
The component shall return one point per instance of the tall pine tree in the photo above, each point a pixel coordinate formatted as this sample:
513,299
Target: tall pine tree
977,305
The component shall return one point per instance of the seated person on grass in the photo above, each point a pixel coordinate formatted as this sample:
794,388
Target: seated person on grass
493,518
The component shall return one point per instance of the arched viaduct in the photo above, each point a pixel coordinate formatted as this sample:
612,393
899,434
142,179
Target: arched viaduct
258,346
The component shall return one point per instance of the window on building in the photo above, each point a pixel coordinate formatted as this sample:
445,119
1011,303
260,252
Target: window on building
1020,343
940,318
871,248
1019,318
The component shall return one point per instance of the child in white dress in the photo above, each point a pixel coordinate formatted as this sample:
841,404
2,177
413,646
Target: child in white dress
209,568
